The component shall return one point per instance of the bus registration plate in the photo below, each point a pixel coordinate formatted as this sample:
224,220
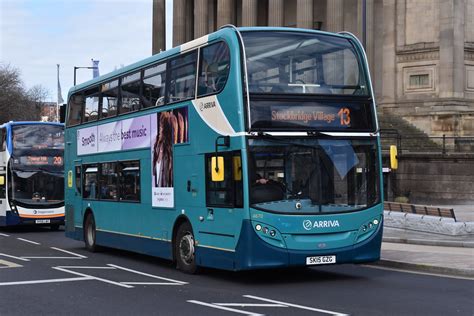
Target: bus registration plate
42,221
320,260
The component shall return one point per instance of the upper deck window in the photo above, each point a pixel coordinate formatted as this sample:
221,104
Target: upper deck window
109,98
214,68
182,81
130,93
38,136
303,63
154,86
76,107
91,112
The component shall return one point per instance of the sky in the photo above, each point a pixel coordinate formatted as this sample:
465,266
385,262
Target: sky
35,35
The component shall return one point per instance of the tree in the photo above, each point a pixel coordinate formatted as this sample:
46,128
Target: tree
17,104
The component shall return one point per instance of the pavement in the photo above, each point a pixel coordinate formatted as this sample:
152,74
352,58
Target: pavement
429,252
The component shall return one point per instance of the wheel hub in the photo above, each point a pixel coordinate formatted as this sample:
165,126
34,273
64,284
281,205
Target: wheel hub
186,248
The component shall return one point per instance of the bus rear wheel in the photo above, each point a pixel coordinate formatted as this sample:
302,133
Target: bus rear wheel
184,248
90,233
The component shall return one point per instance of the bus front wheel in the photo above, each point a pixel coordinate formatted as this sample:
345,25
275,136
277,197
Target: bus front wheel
185,249
89,233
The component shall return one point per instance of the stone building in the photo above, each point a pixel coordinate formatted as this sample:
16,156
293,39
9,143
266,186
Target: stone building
421,52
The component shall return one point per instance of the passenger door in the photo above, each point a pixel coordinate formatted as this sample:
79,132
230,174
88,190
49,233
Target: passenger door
224,199
73,197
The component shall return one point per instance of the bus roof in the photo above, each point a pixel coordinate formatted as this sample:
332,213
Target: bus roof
189,45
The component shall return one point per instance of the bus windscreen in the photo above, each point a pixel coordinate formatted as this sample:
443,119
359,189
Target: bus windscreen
303,63
306,81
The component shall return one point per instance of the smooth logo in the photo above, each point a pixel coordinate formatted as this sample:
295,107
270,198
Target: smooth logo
308,225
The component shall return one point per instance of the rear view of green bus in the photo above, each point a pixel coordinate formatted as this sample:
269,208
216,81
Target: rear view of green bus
247,148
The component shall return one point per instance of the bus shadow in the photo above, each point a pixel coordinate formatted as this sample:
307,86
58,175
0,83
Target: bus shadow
30,229
255,277
285,275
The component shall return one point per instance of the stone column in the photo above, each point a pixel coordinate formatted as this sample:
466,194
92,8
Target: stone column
451,49
276,13
201,18
189,20
389,75
211,8
377,48
249,12
179,22
225,10
335,15
304,14
369,36
159,26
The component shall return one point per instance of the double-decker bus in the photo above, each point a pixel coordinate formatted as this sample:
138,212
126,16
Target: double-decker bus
32,174
247,148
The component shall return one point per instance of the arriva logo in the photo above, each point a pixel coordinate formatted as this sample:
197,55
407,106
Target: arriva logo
308,225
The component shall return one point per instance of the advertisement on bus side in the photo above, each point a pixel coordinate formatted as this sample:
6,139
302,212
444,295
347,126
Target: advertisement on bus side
168,128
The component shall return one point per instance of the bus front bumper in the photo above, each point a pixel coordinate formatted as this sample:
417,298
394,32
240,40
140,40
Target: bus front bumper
254,253
12,219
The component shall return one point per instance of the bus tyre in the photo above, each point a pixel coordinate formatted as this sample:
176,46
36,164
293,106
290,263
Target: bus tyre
184,248
89,233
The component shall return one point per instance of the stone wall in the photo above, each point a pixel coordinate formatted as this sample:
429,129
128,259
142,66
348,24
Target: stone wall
433,179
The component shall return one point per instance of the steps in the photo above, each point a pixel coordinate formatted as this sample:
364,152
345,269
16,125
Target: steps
412,138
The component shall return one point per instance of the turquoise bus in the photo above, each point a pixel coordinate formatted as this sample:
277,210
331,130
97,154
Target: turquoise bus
247,148
32,174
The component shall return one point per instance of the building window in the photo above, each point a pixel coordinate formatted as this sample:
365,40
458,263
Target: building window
419,81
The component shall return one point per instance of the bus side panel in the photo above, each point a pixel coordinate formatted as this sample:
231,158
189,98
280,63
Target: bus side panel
143,245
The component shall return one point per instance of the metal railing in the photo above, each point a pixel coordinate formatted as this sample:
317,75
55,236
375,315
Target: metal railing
419,143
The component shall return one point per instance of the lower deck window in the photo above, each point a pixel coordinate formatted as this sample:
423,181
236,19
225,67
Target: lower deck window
115,181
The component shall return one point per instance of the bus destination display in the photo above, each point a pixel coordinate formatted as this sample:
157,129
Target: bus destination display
278,115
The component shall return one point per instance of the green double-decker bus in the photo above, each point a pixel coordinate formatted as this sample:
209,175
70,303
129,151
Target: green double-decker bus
247,148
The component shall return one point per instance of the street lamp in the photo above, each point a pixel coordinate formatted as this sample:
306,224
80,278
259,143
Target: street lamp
76,67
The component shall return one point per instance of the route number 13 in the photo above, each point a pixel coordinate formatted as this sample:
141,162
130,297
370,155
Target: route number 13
345,116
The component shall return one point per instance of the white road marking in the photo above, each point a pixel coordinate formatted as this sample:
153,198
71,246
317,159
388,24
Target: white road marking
418,272
30,241
150,283
86,267
249,305
70,252
224,308
51,257
4,235
76,256
93,277
294,305
13,257
8,264
146,274
45,281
